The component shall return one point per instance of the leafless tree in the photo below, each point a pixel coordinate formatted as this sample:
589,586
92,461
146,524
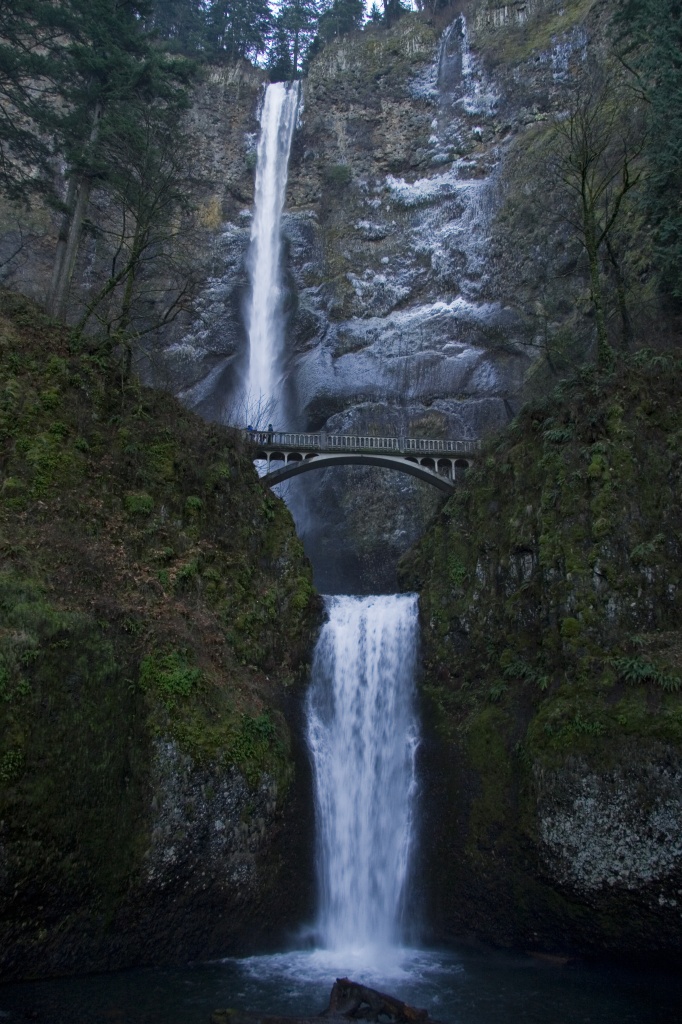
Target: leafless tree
597,162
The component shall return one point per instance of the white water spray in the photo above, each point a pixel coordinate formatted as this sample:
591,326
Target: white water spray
264,320
363,737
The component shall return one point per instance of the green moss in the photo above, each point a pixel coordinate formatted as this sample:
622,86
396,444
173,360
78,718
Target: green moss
139,504
169,677
337,175
570,628
487,753
551,583
67,730
515,43
133,538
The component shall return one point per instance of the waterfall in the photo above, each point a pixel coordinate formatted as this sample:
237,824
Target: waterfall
264,319
466,52
363,737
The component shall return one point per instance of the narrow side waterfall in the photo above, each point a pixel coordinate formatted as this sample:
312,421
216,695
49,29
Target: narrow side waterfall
363,737
264,321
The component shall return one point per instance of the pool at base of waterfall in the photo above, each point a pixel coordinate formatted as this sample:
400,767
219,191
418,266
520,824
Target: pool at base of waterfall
460,985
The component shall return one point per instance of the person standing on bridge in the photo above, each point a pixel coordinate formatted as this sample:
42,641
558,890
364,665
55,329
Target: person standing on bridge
270,433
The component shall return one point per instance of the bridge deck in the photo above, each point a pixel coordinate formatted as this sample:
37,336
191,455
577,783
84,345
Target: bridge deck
333,443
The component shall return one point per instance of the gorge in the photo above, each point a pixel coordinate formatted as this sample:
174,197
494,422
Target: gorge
512,777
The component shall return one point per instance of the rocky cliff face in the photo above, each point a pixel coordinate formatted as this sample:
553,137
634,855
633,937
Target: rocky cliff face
156,612
421,277
550,601
427,264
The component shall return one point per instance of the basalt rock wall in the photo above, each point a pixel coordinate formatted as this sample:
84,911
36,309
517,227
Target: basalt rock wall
156,616
426,267
429,266
552,689
423,277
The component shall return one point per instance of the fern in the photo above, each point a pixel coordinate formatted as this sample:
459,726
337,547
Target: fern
558,435
518,669
497,691
647,550
638,671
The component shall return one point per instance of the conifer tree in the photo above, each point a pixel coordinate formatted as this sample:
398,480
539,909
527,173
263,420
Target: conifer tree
652,39
279,65
296,27
29,30
181,24
110,70
238,28
342,17
375,15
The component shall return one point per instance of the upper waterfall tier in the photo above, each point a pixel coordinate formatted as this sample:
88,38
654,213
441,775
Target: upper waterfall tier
264,312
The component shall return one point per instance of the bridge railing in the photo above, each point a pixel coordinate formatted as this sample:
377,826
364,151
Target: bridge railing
357,443
429,446
350,442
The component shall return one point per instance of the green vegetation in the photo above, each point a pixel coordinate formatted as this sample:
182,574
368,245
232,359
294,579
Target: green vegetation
651,38
520,40
151,593
550,594
577,567
338,175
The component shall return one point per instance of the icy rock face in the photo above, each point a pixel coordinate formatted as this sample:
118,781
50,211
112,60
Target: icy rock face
201,365
409,309
398,328
597,832
201,355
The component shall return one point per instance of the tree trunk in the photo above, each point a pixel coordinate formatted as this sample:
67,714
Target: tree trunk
295,53
131,272
68,262
604,351
62,239
348,1001
77,199
621,295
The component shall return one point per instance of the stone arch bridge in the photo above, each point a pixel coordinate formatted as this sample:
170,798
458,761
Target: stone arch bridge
440,463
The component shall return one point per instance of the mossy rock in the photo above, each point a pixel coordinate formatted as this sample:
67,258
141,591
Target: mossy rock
551,608
156,611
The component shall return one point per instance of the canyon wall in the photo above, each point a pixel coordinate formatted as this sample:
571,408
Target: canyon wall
434,279
157,615
552,689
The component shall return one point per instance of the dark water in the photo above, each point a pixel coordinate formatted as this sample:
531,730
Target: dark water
458,986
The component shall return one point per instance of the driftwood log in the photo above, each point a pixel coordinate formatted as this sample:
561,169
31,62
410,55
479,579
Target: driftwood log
348,1001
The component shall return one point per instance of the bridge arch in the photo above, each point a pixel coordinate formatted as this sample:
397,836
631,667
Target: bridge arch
293,468
436,461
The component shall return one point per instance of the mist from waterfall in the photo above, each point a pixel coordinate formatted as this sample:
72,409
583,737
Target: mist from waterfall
264,312
363,737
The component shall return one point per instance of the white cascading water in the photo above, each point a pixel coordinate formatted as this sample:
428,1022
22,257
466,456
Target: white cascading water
264,320
363,737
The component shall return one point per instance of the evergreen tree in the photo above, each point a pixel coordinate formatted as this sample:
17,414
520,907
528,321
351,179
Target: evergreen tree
342,17
110,69
393,11
296,27
279,65
181,24
238,28
29,37
652,34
